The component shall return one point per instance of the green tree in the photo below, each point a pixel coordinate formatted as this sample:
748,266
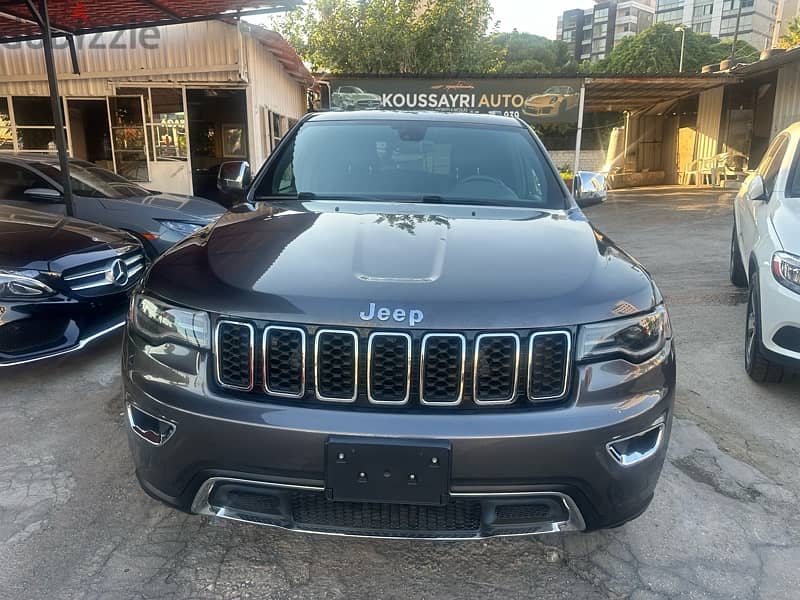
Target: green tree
524,53
657,51
792,37
392,36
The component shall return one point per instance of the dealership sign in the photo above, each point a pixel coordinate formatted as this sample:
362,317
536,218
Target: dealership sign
536,101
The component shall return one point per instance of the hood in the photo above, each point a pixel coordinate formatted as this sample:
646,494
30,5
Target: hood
175,206
462,267
32,240
786,221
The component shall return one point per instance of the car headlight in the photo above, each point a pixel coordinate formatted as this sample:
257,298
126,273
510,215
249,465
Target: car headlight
181,227
22,285
635,338
553,99
160,322
786,269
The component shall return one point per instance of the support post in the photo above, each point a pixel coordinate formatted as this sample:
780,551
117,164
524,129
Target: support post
579,136
55,100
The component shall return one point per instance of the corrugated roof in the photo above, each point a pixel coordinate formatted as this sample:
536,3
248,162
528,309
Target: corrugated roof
77,17
639,93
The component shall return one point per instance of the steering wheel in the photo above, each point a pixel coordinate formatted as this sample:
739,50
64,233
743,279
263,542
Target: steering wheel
483,179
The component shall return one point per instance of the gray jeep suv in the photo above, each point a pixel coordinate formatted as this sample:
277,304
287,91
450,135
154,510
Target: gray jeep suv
408,329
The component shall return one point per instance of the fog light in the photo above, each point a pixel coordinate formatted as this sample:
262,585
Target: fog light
639,447
151,429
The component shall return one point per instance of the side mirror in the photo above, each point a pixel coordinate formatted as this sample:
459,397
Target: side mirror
233,177
47,194
756,190
590,187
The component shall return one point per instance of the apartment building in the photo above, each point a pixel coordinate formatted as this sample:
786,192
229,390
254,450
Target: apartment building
719,18
593,33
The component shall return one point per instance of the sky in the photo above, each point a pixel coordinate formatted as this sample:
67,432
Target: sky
534,16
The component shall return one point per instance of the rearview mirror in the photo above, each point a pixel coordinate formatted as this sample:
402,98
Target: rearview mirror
756,190
590,187
47,194
233,177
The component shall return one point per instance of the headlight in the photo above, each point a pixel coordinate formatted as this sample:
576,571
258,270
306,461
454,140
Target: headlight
22,285
553,99
161,322
786,269
181,227
635,338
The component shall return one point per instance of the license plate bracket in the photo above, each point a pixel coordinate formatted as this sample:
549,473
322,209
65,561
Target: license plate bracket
387,471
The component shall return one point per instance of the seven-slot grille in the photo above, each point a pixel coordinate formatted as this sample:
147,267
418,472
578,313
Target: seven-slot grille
433,369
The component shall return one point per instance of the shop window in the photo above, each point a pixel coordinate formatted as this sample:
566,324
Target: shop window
277,128
128,137
6,128
169,123
166,121
34,124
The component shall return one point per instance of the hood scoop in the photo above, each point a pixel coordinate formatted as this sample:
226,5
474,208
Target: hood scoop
402,249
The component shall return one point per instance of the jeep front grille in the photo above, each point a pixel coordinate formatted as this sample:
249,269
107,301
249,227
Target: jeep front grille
336,365
367,367
441,379
235,355
389,368
284,351
548,365
496,368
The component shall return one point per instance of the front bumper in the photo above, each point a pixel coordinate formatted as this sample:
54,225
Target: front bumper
34,331
780,313
499,458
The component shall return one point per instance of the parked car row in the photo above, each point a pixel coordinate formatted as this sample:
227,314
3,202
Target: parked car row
64,282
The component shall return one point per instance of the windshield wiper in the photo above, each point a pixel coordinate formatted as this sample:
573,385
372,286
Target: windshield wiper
311,196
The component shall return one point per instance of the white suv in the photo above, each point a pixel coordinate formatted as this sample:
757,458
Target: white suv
765,257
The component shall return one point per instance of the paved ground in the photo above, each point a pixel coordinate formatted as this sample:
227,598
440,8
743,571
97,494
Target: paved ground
724,523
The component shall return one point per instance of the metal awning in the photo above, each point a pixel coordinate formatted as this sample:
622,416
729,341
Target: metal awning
18,22
22,20
633,93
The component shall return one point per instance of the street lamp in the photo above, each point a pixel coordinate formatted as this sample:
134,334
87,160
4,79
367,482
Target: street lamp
682,29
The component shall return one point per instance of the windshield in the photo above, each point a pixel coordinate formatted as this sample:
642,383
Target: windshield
414,161
94,182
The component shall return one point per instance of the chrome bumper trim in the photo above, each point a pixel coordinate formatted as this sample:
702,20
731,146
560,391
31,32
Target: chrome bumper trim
201,506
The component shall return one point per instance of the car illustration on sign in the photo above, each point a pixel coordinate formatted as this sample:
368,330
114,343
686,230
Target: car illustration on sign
350,97
556,101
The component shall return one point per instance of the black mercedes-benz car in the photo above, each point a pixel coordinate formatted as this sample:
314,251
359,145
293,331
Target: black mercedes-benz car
409,329
63,283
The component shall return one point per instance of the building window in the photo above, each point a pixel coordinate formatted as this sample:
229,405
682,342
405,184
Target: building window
733,5
729,25
600,30
601,14
568,36
165,119
672,17
598,46
703,10
669,5
702,27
